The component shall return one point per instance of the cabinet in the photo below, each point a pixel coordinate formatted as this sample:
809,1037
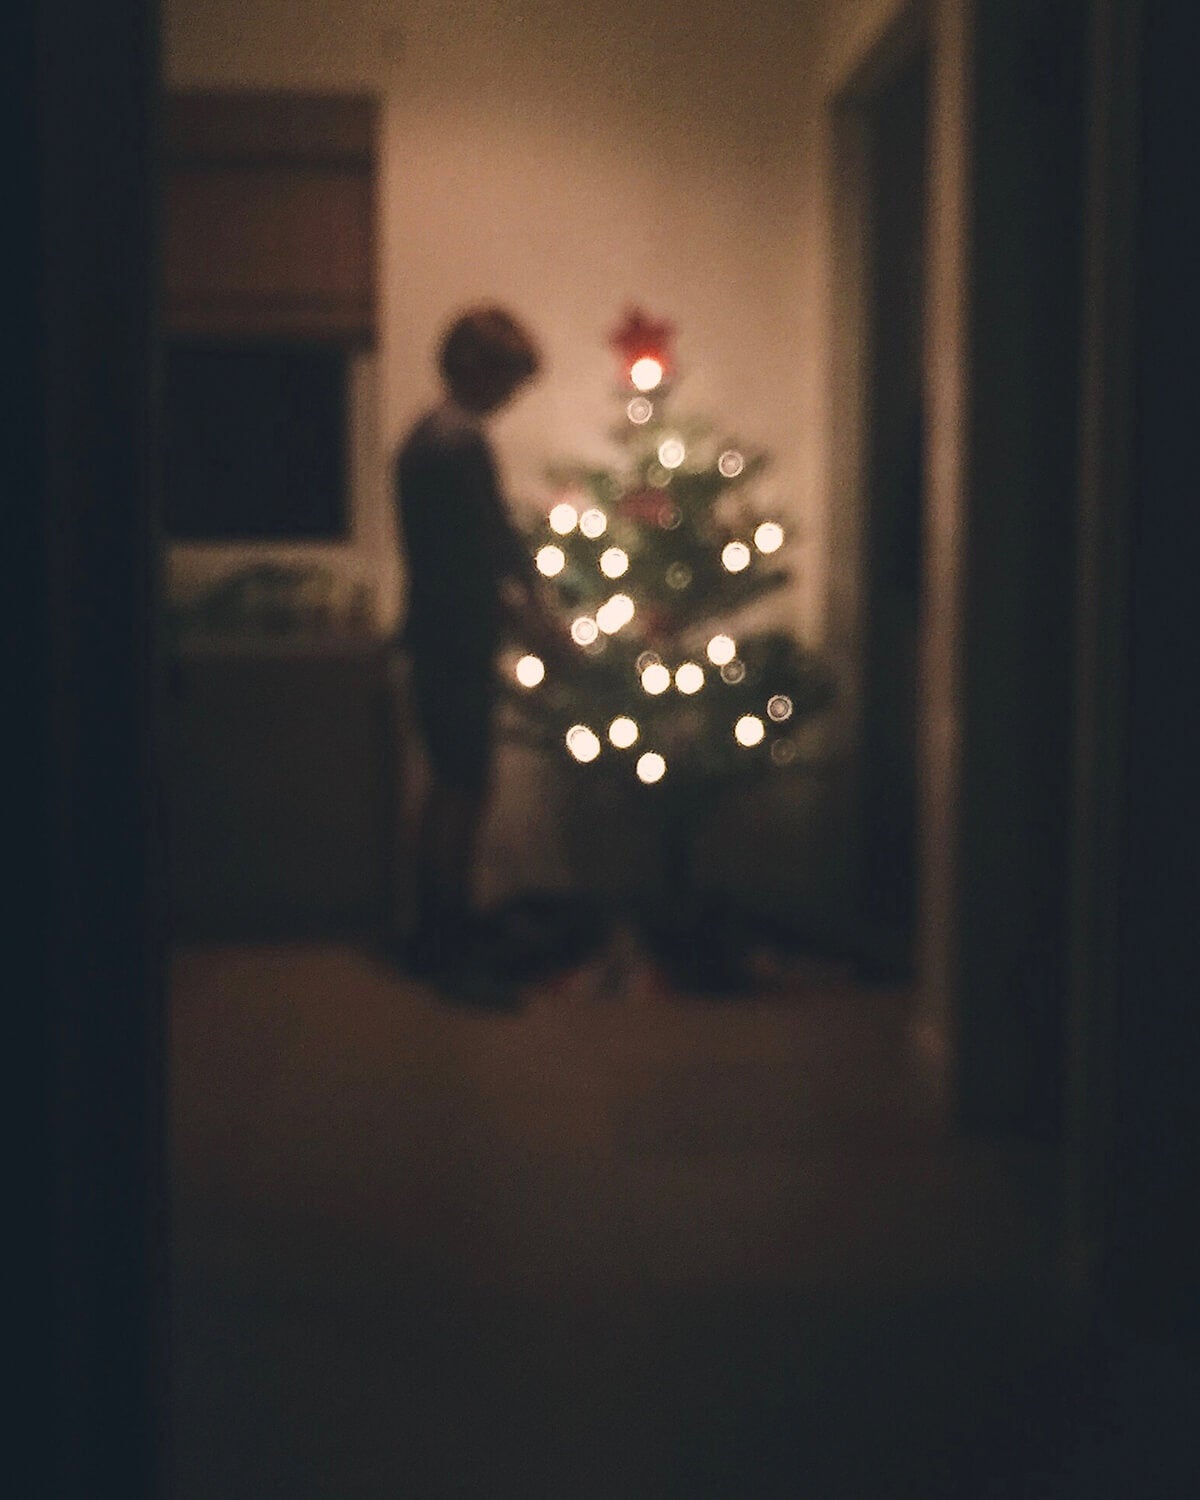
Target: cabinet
283,788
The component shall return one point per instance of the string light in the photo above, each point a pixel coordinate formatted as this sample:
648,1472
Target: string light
530,670
779,708
623,732
583,743
653,489
721,649
615,613
651,767
646,373
749,730
563,518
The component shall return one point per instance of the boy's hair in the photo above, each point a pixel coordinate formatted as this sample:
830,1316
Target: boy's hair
485,344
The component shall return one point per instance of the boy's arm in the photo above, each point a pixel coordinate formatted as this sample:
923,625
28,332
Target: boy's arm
529,616
522,591
535,624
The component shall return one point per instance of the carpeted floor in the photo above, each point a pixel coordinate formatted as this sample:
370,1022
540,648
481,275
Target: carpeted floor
617,1245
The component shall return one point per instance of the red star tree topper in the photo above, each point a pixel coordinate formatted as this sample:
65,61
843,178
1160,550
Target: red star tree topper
640,337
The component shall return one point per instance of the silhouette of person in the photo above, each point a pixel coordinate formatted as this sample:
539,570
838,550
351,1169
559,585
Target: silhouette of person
470,576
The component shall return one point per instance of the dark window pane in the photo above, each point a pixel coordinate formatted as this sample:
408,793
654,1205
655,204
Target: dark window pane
255,442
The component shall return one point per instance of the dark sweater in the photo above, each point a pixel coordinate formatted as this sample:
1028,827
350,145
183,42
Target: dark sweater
459,541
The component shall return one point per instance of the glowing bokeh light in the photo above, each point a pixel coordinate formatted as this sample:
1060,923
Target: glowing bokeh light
656,679
679,575
615,613
731,463
735,556
613,562
733,671
563,518
583,743
671,453
530,670
689,678
669,517
769,536
640,410
623,732
779,708
651,767
593,523
646,373
721,649
550,560
584,630
749,730
783,752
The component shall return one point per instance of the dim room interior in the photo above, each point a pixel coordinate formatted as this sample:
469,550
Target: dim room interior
631,1238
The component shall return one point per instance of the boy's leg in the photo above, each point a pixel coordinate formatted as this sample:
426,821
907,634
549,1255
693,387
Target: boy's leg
451,946
454,702
447,843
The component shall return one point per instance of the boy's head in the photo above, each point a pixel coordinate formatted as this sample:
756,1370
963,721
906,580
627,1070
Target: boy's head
486,355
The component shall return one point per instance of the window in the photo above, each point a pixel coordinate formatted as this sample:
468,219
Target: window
255,442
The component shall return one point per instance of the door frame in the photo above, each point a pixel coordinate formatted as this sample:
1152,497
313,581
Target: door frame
942,27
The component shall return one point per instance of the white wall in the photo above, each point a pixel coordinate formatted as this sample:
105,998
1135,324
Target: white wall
567,160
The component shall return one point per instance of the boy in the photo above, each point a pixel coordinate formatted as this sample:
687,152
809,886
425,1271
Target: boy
469,575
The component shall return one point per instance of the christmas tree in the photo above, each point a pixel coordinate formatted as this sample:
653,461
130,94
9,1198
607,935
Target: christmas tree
656,563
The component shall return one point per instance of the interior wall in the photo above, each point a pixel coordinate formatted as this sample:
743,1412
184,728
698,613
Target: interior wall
946,412
82,831
567,164
1025,300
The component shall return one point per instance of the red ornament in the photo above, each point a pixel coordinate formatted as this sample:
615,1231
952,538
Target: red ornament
640,337
657,626
642,505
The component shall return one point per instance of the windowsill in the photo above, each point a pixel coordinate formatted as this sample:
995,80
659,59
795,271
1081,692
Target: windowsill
299,642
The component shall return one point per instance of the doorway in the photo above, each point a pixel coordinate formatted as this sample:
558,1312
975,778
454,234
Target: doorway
879,127
895,119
